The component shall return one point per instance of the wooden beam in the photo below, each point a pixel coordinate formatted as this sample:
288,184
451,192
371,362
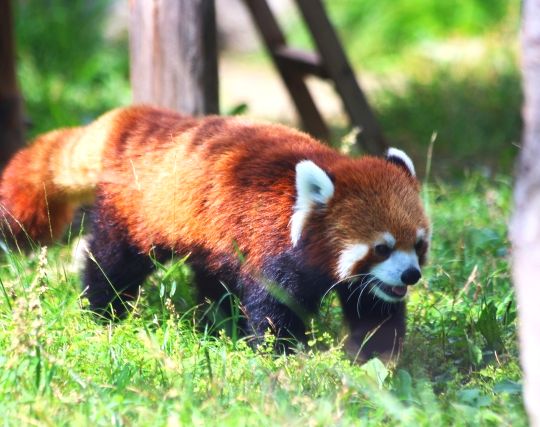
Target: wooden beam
274,40
306,63
174,54
340,71
11,120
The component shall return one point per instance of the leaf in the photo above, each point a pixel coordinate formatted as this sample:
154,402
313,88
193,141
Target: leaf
489,327
236,110
403,386
474,352
473,397
468,395
173,289
508,386
483,237
376,370
510,313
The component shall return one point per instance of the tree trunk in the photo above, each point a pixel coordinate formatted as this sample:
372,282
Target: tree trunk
173,54
11,122
525,225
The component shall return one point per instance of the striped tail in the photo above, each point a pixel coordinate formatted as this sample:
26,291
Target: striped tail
43,185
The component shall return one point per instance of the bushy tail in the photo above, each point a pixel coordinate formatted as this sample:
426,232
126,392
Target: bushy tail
43,184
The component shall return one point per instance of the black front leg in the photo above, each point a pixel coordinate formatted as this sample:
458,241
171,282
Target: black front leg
269,306
377,329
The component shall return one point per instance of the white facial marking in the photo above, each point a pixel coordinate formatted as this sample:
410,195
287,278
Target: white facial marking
390,271
313,186
394,152
389,239
349,257
420,234
298,219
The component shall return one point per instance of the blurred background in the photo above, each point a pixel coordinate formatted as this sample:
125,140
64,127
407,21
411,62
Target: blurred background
446,67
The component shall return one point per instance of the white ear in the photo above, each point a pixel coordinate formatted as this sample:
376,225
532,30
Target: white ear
313,187
401,159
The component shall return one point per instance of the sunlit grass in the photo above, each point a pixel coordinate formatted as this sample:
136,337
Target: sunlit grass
165,365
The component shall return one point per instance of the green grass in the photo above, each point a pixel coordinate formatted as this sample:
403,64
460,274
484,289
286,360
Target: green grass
473,109
456,76
161,366
68,71
379,34
442,67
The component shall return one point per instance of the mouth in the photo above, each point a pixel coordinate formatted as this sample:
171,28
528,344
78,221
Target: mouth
381,289
396,291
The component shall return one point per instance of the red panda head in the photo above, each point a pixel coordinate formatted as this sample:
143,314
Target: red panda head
363,218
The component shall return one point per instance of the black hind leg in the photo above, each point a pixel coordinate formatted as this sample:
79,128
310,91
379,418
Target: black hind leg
114,270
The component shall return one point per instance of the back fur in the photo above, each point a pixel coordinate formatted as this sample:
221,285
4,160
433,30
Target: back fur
254,206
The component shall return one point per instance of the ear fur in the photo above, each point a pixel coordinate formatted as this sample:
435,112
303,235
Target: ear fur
313,187
399,158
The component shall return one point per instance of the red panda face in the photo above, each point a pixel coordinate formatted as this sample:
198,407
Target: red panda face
369,220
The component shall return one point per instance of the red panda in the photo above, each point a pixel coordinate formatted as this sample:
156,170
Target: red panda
262,210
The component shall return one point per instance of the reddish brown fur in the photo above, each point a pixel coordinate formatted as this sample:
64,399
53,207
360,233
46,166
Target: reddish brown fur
43,184
29,205
223,190
214,182
201,182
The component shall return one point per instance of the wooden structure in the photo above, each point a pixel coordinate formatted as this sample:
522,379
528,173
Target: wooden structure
11,120
330,62
174,62
174,55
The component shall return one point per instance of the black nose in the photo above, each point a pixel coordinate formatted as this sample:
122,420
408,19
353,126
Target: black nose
411,276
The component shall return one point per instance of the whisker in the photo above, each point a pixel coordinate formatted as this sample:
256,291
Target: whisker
383,306
378,284
360,275
361,285
365,285
348,278
352,293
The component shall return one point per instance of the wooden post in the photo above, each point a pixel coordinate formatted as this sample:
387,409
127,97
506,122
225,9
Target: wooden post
525,224
174,55
292,77
329,62
11,121
340,71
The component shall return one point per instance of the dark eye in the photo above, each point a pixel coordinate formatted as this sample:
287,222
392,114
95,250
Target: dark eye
420,246
383,250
